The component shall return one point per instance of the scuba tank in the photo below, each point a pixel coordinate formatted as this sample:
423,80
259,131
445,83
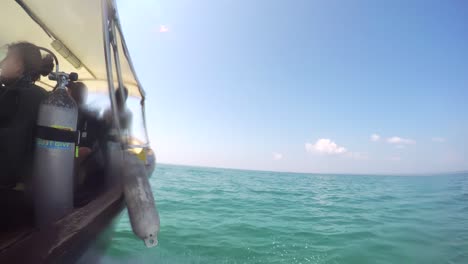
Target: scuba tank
55,152
141,207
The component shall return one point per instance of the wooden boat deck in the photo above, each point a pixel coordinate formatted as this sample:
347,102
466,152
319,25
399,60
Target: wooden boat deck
9,238
55,242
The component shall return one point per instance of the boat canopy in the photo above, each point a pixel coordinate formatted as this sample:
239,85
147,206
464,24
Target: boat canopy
73,30
86,36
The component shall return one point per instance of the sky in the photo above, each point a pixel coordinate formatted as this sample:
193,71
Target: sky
304,86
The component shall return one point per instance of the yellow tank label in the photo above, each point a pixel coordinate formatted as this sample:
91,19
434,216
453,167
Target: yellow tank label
62,127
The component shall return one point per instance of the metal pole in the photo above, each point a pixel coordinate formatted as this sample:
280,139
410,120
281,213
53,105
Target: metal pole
110,78
127,56
140,89
115,50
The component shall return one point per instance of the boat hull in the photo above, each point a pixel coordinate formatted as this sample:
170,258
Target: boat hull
68,239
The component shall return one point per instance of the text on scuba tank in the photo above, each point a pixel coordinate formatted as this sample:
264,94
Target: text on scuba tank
53,144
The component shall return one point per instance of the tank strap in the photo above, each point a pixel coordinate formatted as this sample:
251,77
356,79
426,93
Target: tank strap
55,134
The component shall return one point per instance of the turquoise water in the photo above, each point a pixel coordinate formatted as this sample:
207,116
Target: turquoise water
232,216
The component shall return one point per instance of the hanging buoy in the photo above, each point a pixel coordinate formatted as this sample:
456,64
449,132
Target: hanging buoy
54,153
139,198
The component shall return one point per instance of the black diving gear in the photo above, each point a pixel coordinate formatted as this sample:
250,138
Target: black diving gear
19,104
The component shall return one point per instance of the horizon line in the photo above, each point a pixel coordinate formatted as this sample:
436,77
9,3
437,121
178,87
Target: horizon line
323,173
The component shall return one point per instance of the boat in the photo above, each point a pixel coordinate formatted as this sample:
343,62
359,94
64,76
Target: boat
87,38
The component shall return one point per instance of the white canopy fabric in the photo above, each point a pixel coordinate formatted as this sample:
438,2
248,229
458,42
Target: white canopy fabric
78,25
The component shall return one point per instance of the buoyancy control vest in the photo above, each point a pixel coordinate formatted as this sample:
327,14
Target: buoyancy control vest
19,104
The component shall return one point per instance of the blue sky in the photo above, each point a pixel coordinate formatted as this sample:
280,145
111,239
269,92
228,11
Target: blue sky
303,85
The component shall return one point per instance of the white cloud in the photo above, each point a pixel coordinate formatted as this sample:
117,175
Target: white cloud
400,141
163,29
438,139
325,146
395,158
277,156
375,137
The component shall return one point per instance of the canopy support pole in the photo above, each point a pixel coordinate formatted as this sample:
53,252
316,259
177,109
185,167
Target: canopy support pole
108,58
121,86
130,63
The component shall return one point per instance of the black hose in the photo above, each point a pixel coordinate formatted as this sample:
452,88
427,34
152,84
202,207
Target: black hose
56,62
53,55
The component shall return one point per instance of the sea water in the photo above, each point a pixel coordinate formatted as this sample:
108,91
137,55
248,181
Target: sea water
213,215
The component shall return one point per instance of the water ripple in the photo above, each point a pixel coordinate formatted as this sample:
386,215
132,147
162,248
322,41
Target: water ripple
232,216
